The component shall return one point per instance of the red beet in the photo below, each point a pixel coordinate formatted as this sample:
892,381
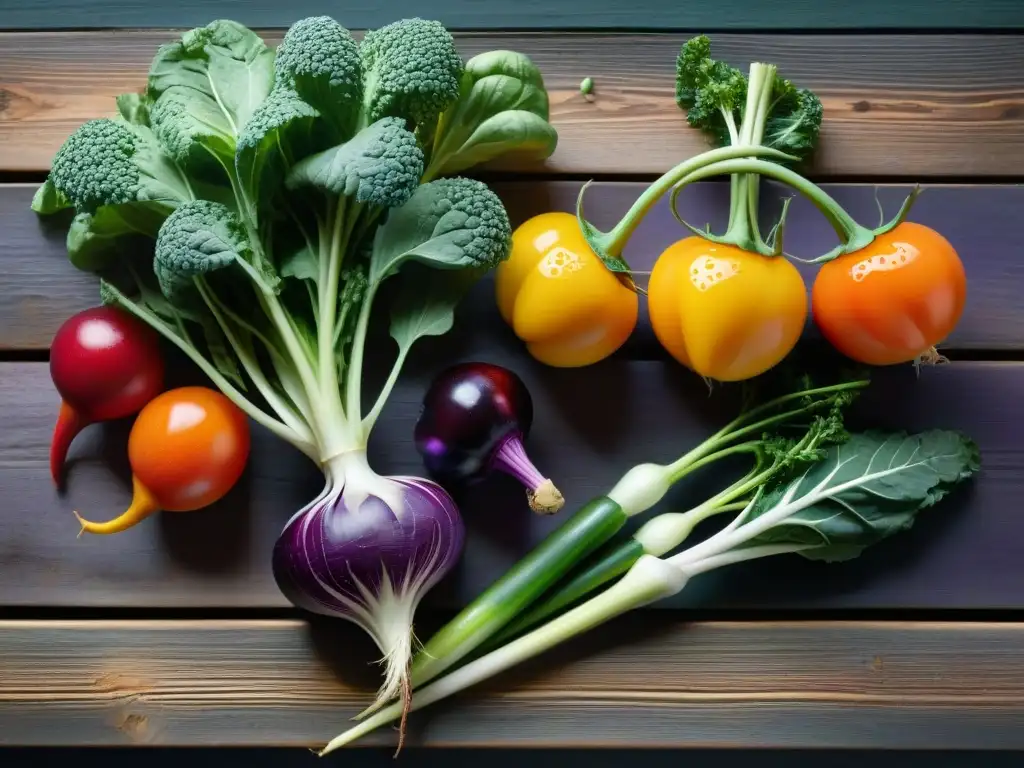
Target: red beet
106,365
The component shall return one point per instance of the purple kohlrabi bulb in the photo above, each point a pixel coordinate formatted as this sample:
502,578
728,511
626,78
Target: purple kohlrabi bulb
369,555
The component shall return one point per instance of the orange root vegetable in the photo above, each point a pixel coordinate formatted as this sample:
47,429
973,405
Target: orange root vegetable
187,449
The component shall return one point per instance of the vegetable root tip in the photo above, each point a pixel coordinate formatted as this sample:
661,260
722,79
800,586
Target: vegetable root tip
81,522
929,357
406,706
545,499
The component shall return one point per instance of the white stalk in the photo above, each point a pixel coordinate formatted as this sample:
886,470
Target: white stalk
648,580
740,555
641,488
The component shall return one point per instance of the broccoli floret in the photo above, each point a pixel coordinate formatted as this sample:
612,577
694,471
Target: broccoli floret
472,209
381,166
412,70
95,165
197,238
320,59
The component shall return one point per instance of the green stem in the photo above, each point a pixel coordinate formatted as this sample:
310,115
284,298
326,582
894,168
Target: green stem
256,414
354,377
750,446
252,367
743,425
614,242
385,392
851,234
580,535
650,579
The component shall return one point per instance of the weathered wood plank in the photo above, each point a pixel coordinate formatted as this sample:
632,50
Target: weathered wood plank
41,288
905,105
532,14
638,683
967,553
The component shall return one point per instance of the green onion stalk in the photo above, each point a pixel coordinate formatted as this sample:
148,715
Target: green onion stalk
597,522
827,510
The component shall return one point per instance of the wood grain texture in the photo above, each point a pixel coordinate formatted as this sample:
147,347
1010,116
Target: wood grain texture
914,106
967,553
639,683
41,289
531,14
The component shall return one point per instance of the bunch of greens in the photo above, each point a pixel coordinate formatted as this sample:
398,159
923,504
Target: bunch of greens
283,189
826,495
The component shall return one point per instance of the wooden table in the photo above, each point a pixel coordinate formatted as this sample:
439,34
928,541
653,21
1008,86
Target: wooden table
174,632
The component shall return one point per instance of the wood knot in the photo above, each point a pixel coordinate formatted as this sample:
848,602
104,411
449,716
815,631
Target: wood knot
20,104
862,106
134,726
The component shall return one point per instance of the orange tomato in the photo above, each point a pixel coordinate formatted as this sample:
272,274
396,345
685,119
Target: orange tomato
187,449
559,297
725,313
894,300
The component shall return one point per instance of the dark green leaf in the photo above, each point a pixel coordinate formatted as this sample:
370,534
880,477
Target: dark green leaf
502,109
48,199
134,108
425,303
303,264
96,240
865,490
205,87
277,132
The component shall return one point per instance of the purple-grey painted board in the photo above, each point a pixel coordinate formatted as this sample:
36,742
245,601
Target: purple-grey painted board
591,426
982,222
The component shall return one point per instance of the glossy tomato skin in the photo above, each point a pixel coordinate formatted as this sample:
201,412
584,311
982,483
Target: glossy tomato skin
723,312
894,300
558,296
106,364
188,447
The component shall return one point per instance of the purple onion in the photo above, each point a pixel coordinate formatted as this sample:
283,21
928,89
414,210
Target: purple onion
368,552
474,419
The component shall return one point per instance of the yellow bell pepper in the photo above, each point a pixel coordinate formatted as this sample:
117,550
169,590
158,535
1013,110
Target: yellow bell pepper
558,296
725,313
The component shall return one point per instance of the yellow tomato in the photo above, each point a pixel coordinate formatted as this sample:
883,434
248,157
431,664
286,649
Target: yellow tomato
723,312
558,296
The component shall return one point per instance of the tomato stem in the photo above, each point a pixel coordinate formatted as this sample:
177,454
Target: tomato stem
852,236
610,245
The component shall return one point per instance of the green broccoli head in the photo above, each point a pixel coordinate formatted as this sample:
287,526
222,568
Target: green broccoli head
381,165
412,70
197,238
320,59
95,165
474,216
